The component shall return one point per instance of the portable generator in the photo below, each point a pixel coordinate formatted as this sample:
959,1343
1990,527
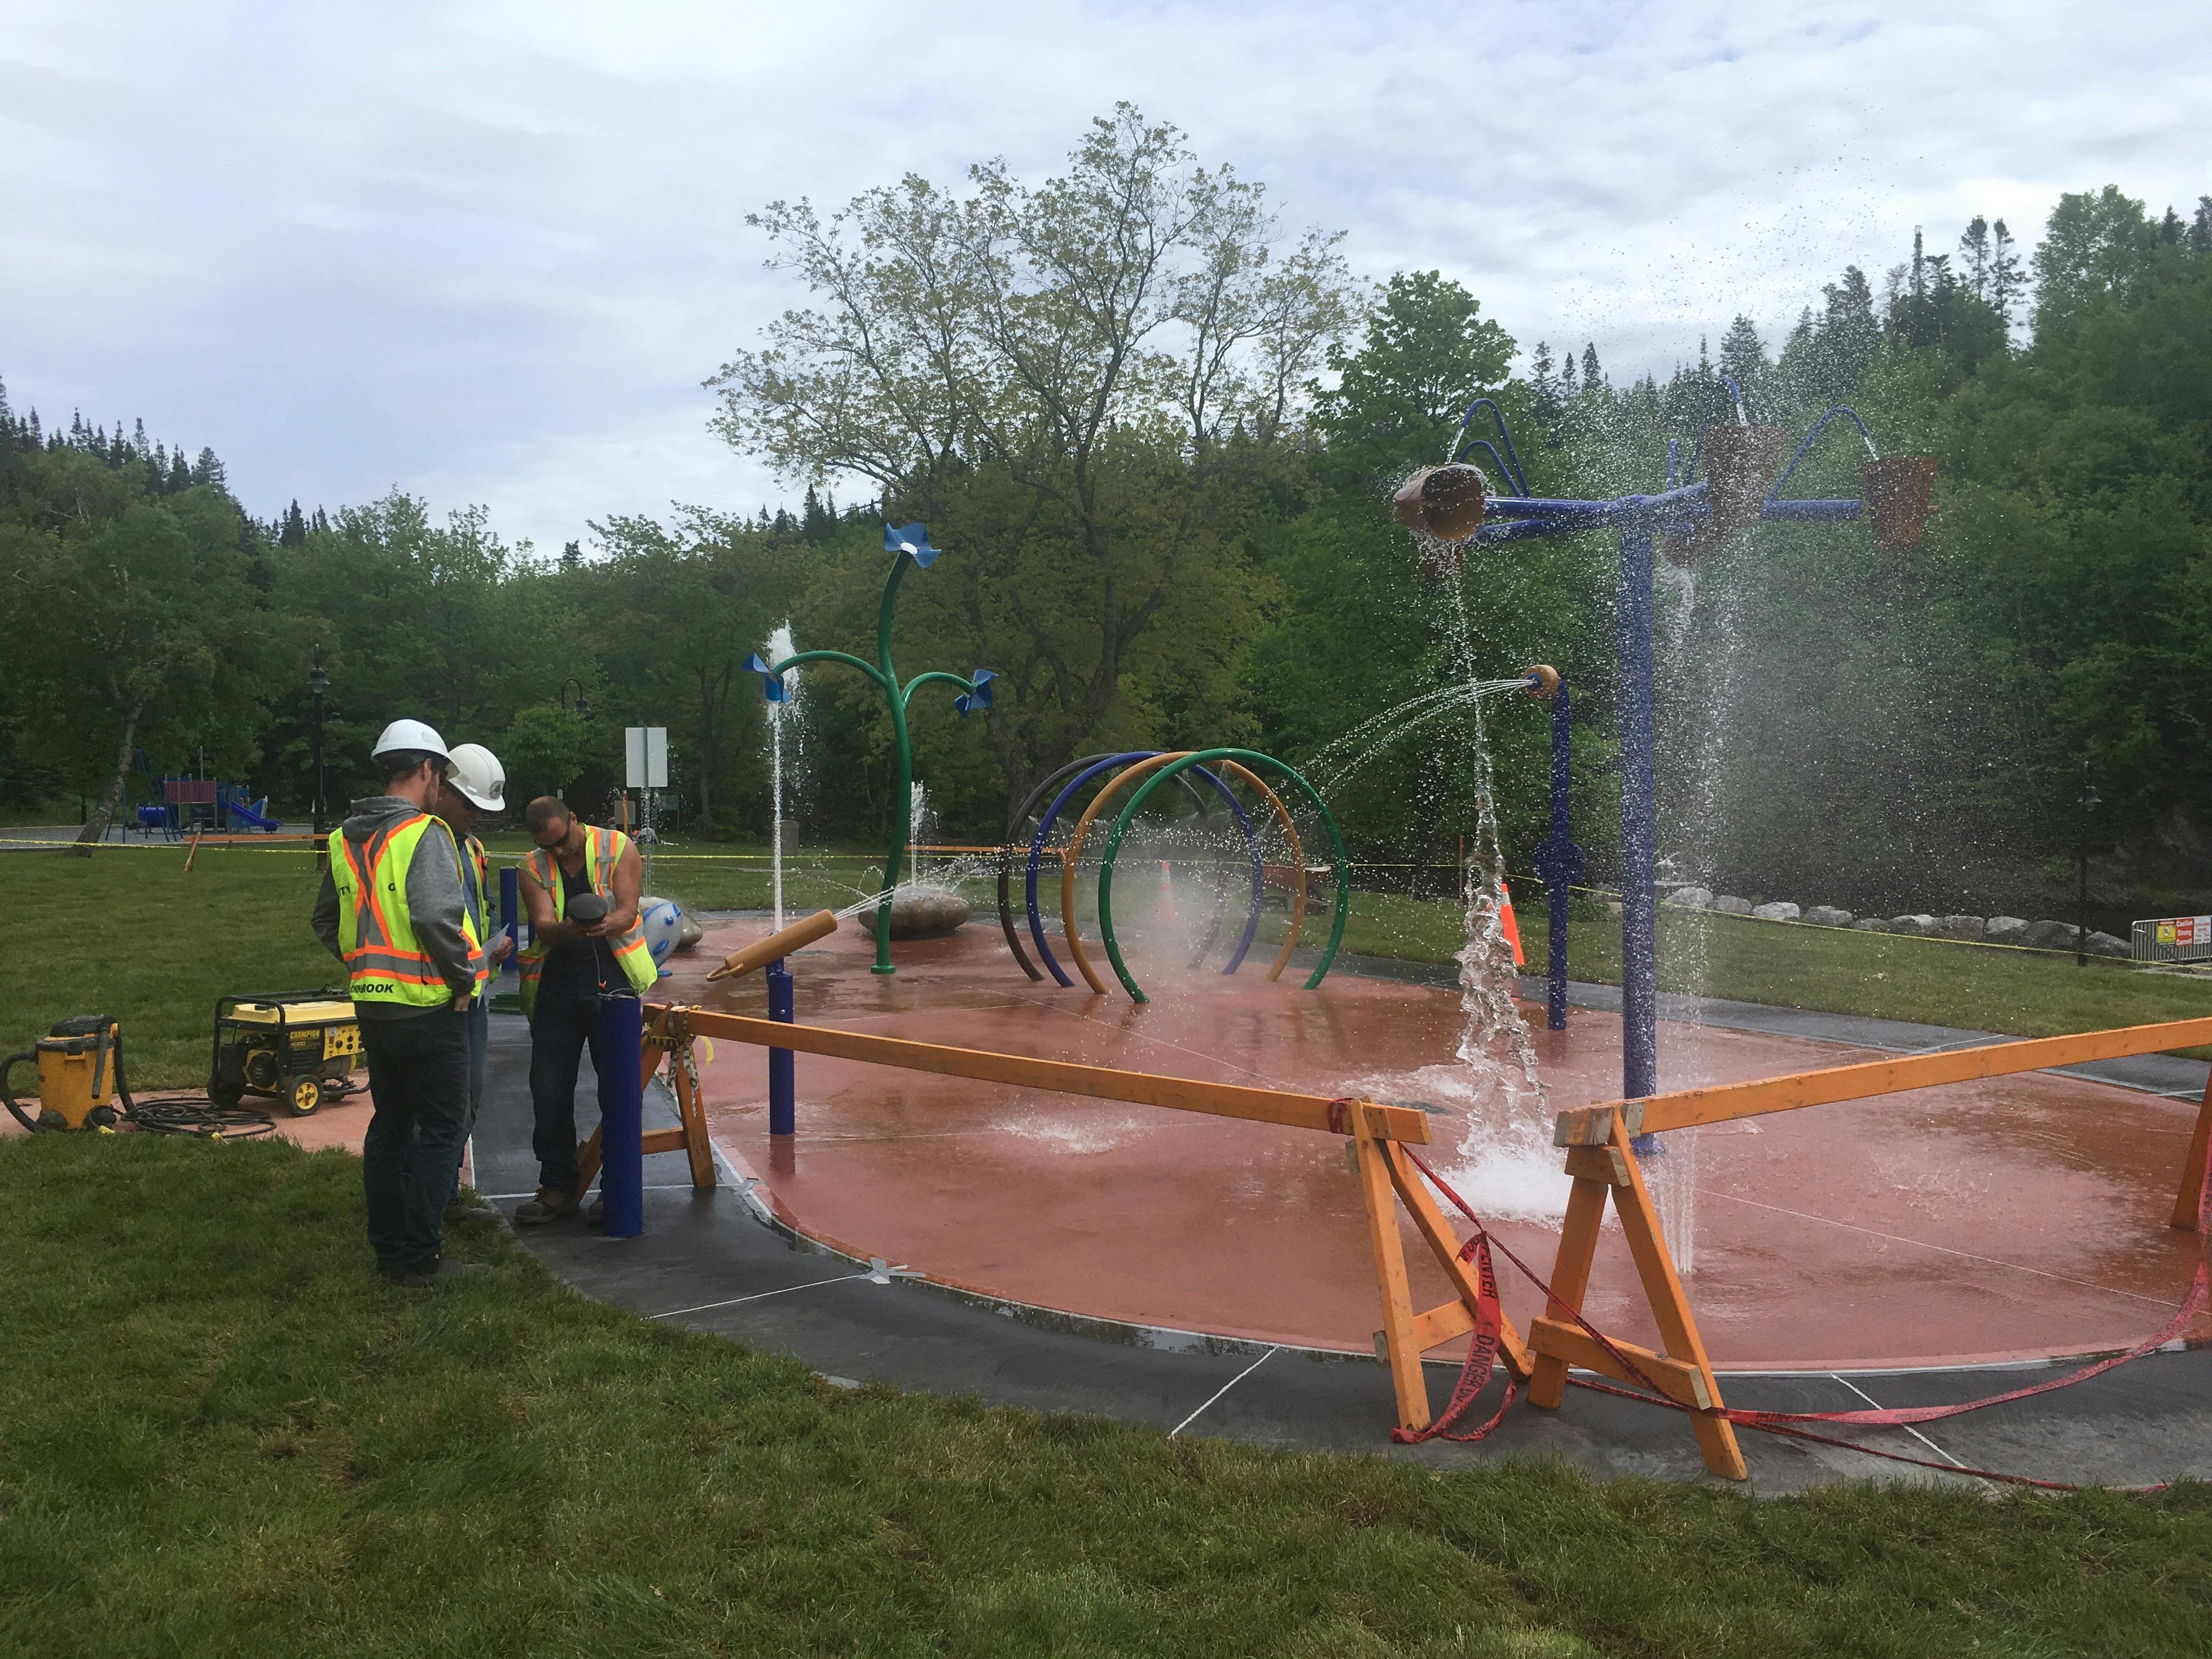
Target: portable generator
80,1075
298,1047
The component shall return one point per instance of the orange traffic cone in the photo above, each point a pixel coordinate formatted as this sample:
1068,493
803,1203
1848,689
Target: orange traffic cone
1505,919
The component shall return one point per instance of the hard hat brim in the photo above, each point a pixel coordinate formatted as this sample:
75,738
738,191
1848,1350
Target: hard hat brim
494,803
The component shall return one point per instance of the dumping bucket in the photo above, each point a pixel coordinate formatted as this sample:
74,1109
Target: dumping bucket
1443,502
1896,490
1741,462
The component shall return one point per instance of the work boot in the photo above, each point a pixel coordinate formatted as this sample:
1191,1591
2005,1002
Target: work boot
449,1268
467,1210
548,1206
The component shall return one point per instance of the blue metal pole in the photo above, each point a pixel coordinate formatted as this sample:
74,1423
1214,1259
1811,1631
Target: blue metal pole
510,911
783,1099
1555,965
1639,815
622,1115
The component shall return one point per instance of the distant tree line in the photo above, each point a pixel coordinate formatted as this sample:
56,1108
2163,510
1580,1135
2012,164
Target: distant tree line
1158,434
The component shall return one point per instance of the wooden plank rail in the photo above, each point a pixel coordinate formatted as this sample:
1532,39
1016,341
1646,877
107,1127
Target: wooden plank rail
1181,1094
1686,1108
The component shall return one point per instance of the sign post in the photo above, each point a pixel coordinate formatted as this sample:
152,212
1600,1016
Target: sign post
646,753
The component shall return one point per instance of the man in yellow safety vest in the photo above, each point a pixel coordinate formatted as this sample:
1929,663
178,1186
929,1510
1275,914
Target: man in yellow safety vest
567,967
393,907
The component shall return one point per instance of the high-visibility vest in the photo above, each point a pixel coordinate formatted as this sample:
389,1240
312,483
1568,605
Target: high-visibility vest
603,851
385,962
480,863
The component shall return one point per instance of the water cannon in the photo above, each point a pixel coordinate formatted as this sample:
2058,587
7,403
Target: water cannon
1443,502
1539,681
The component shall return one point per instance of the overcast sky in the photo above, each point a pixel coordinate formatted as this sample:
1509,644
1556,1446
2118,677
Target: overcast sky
486,251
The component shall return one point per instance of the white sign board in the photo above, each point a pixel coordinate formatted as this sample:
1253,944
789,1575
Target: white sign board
648,747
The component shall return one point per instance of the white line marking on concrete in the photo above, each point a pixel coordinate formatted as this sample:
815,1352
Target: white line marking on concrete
1907,1427
1223,1388
759,1296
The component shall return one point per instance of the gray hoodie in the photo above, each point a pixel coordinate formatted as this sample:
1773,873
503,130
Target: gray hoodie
436,901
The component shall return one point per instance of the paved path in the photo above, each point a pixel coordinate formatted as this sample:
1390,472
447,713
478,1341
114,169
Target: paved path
718,1262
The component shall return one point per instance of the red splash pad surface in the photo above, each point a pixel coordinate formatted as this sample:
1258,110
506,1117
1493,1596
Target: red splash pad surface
2019,1217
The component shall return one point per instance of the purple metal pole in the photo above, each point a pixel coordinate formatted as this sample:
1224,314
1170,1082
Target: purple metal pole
782,1098
622,1115
1555,962
1640,815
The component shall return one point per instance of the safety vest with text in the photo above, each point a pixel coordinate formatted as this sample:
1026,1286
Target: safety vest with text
603,851
385,962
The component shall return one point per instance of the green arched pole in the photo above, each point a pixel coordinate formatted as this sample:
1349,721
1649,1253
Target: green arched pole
1249,756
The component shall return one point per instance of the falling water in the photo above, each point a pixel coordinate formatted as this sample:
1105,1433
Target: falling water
922,831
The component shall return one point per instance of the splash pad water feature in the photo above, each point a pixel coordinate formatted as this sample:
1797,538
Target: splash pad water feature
1901,1244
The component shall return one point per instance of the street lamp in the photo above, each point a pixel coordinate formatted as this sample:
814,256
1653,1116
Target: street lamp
583,709
2089,804
318,683
908,544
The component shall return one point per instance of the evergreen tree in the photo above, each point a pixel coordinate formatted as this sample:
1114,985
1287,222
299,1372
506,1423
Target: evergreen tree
138,437
322,522
814,524
572,554
1569,378
1544,394
1743,358
1974,250
293,531
1593,379
180,476
2007,284
208,471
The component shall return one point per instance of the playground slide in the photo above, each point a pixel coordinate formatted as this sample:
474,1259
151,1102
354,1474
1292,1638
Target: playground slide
250,817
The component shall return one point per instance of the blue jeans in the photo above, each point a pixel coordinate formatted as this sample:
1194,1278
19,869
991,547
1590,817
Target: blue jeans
479,1019
564,1024
419,1078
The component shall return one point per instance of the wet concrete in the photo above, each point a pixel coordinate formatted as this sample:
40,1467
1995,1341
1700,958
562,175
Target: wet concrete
1978,1223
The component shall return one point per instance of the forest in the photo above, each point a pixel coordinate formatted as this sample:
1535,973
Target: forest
1157,436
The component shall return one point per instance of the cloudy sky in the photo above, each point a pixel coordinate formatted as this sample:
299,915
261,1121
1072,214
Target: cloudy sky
487,251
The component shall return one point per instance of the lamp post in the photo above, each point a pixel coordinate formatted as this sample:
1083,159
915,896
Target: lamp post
1452,505
2089,804
908,544
582,711
318,683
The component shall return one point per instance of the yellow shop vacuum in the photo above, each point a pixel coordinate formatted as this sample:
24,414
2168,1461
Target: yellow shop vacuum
297,1047
80,1066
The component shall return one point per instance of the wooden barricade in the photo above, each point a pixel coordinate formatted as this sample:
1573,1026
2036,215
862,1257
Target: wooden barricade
1602,1158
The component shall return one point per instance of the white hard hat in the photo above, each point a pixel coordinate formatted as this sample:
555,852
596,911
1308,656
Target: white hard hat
477,774
408,734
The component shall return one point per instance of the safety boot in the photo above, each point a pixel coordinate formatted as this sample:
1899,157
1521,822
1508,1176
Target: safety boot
549,1206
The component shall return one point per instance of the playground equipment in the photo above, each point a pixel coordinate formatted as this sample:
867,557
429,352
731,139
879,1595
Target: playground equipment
298,1047
908,545
79,1064
1454,511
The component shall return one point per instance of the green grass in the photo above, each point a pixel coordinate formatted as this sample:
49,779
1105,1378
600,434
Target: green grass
129,933
224,1437
1979,988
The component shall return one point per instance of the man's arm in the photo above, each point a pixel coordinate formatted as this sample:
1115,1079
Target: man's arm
325,922
538,901
438,906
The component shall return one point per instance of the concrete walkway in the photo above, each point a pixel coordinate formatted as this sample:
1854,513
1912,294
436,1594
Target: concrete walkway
720,1262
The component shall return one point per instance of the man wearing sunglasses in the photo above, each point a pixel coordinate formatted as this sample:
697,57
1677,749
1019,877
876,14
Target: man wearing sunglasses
581,887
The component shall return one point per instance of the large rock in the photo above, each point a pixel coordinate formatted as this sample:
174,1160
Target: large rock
1779,910
2003,930
1915,927
1961,927
1689,898
1729,904
2107,944
927,911
1826,916
2047,936
1871,925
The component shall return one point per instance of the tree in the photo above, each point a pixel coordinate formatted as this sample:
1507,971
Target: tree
2007,284
1077,384
294,532
1974,250
2095,247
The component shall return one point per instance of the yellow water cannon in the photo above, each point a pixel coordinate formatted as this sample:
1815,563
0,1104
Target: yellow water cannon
80,1075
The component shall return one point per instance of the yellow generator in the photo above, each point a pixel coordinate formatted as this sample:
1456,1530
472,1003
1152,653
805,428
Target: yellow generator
297,1047
80,1075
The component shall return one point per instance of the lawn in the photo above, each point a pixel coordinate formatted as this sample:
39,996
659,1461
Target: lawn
224,1437
128,931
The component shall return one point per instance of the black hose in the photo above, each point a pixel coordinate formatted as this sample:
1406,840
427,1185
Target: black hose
196,1114
8,1095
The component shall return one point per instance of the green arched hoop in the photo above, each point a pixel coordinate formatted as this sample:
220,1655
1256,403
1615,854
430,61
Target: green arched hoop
1250,758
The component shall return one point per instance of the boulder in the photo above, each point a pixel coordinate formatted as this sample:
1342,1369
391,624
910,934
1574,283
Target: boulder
2004,930
1915,927
1689,898
1826,916
1779,910
1961,927
1729,904
2047,936
927,911
2108,945
1871,925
